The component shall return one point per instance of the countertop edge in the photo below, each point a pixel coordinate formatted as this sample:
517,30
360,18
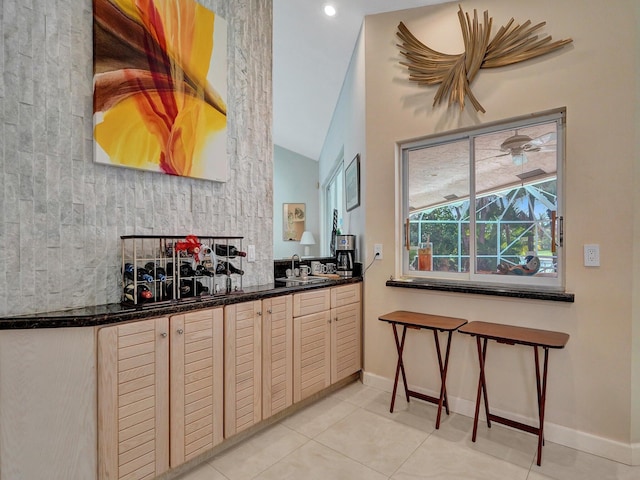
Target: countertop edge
116,313
485,290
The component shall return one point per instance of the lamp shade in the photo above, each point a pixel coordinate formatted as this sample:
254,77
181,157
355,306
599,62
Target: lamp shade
306,240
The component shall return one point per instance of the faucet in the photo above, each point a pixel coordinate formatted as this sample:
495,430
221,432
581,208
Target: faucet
293,262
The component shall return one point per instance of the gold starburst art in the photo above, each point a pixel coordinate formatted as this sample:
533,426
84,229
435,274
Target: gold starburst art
512,43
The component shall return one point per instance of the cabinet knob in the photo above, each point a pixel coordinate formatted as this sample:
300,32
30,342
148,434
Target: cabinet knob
180,331
163,334
259,314
329,321
269,311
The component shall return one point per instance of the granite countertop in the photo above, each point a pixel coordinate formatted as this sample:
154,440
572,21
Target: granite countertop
492,290
116,313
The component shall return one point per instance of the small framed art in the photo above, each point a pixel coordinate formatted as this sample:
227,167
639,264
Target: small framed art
352,184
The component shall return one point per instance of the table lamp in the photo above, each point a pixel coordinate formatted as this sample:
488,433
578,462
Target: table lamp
306,240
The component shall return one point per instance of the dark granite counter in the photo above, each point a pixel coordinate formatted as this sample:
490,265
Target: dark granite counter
117,313
513,292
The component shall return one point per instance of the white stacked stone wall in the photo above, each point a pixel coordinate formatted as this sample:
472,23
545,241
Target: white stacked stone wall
61,214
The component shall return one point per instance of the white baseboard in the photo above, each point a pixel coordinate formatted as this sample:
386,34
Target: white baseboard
629,454
635,454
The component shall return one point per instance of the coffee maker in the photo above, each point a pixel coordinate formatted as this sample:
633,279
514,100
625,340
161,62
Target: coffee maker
345,254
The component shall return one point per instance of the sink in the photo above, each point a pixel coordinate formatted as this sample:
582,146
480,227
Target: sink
291,281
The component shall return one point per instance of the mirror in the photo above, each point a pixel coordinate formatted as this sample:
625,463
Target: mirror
293,217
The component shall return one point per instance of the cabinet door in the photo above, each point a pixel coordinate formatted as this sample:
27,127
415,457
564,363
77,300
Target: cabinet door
277,354
243,370
311,354
345,341
133,397
196,373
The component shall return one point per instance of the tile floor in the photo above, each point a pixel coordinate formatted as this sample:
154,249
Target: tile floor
351,435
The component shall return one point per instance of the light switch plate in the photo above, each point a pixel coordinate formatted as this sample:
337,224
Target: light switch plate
251,253
592,255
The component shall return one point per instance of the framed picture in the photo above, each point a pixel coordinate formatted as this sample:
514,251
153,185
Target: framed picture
293,217
352,184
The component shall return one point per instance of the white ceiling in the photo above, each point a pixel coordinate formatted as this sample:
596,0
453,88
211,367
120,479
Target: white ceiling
311,54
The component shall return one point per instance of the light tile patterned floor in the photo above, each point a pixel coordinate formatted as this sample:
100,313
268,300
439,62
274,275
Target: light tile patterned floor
351,435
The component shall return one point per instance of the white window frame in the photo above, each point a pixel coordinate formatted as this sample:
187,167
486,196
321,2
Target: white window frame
471,278
336,173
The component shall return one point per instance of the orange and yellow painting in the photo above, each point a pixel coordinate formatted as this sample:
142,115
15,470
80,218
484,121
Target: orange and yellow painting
160,87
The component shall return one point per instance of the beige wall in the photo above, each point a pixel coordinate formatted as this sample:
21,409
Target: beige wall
635,334
590,395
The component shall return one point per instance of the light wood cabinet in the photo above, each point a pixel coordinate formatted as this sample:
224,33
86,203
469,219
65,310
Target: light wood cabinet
327,338
243,366
311,354
170,389
345,341
346,295
133,405
196,383
346,325
277,354
311,302
160,393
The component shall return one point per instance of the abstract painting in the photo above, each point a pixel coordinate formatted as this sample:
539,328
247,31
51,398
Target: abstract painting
160,87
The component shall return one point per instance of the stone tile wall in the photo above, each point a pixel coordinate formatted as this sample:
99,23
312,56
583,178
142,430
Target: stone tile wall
62,215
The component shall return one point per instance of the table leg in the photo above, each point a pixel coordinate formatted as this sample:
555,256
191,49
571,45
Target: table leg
484,383
443,376
542,397
399,365
482,388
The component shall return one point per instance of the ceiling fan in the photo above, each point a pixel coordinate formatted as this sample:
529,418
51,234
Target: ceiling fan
518,145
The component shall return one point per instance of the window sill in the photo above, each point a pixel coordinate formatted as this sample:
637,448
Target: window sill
422,284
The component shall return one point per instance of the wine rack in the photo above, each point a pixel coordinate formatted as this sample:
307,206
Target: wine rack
157,269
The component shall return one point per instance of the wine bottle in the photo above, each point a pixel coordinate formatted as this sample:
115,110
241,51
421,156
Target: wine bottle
225,268
153,269
228,251
201,270
143,293
128,271
143,276
161,274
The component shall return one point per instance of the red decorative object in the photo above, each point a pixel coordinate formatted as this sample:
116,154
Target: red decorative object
191,245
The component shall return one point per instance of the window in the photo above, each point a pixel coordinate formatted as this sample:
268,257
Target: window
334,201
485,205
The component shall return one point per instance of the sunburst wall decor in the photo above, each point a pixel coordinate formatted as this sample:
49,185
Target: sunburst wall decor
512,44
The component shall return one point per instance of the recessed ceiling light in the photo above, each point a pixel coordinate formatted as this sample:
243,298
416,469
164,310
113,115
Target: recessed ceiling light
329,10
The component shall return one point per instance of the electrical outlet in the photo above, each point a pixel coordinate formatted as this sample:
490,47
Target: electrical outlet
251,253
377,251
592,255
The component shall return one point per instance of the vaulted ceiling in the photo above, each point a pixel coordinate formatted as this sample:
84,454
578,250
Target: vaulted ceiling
311,54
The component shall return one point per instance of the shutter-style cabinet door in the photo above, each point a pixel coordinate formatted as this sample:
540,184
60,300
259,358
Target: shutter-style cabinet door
277,354
243,366
345,341
311,354
197,376
133,398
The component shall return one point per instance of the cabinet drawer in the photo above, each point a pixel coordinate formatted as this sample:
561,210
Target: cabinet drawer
311,302
345,295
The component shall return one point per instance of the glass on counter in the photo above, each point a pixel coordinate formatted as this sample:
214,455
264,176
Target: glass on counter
425,256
